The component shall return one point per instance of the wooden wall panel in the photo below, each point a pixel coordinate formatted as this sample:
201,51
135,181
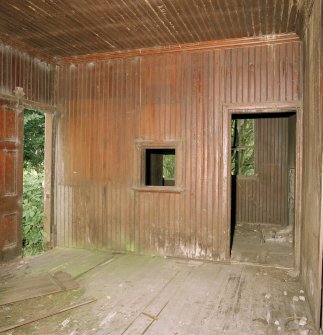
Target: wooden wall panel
311,247
263,198
109,105
36,77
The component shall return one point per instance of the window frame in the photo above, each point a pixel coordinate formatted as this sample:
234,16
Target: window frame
141,147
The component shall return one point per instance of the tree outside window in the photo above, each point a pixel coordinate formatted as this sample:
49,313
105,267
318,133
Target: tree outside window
243,147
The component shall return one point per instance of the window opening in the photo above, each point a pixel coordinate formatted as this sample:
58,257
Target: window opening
160,167
243,147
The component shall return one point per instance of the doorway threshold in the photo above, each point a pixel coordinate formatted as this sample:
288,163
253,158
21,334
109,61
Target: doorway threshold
261,244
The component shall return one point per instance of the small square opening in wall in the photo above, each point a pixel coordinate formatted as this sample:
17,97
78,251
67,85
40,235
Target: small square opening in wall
160,166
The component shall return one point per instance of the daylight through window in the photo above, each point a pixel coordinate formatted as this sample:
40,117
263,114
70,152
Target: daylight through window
243,147
160,167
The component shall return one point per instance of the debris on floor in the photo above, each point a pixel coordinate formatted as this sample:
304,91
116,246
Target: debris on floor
23,322
159,296
35,286
263,244
278,234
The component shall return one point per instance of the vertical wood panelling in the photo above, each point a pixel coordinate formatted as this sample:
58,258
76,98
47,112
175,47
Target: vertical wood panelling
17,68
262,198
311,247
110,104
98,130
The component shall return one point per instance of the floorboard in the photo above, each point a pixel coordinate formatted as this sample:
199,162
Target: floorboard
261,244
154,295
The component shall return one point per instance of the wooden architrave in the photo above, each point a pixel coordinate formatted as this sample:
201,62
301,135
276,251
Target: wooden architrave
140,146
50,112
261,108
25,103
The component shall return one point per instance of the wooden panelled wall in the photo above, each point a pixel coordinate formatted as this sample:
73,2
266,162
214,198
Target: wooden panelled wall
263,198
311,246
19,69
110,106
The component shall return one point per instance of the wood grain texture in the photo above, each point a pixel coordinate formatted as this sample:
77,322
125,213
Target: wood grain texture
36,77
173,48
311,251
11,152
77,27
108,105
176,296
263,198
37,286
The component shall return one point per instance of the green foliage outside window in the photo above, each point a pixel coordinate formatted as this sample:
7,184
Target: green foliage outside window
34,139
33,211
169,166
243,147
33,180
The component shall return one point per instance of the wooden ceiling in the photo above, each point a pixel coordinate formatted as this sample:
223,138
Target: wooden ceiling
61,28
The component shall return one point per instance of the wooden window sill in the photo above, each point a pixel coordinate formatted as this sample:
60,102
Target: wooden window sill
253,177
159,189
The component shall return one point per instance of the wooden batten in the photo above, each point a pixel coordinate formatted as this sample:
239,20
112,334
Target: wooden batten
199,46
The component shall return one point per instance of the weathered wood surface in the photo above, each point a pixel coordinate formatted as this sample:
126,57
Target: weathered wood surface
152,295
263,198
311,251
109,105
33,287
36,77
11,152
45,315
78,27
259,244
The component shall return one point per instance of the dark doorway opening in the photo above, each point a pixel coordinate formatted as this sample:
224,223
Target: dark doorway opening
263,169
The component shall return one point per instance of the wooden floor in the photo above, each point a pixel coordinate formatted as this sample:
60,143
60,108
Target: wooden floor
259,244
152,295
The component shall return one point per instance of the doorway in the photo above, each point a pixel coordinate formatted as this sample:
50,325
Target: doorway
263,175
11,173
33,217
39,152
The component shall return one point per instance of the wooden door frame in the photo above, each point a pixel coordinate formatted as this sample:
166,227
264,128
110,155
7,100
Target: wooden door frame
50,112
49,166
262,108
19,104
320,271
